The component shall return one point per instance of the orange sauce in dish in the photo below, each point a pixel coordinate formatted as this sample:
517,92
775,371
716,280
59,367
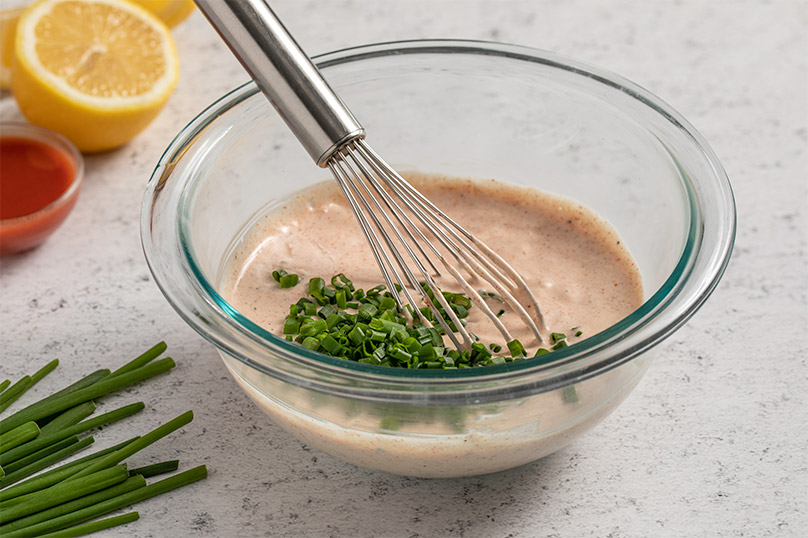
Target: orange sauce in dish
33,175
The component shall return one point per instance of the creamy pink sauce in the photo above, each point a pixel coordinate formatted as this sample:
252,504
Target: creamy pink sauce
575,263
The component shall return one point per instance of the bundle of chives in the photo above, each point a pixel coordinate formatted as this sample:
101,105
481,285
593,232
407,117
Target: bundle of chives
61,501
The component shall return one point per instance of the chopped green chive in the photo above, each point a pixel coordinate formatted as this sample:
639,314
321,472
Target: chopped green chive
284,279
560,345
387,303
289,281
368,327
569,394
291,326
557,337
516,348
488,295
313,328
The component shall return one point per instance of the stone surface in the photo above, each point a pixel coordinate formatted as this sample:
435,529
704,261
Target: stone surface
713,441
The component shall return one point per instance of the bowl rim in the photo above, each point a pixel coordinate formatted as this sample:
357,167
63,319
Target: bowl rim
21,129
564,361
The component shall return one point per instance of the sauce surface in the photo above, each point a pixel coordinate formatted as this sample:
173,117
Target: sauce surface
32,175
574,261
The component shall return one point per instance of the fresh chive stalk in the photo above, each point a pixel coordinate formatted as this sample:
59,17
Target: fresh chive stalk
84,382
45,440
142,360
61,493
7,399
138,444
45,370
4,384
131,484
72,416
47,461
94,526
105,507
44,409
18,436
39,454
56,475
9,396
156,469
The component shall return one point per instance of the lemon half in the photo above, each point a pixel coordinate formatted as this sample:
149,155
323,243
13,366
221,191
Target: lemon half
96,71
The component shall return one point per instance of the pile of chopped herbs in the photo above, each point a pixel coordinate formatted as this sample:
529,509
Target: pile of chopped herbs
367,326
67,500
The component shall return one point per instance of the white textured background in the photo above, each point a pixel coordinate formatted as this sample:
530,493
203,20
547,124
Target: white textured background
712,443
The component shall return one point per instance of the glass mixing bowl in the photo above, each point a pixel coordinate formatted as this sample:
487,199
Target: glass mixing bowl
457,108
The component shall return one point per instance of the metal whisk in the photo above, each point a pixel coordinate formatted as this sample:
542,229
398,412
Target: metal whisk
404,229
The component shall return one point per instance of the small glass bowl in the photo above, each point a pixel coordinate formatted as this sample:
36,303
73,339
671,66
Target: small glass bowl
458,108
27,231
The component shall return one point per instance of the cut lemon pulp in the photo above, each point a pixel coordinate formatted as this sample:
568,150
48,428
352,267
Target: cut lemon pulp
8,27
96,71
171,12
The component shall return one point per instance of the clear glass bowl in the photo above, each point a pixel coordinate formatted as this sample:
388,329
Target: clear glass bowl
458,108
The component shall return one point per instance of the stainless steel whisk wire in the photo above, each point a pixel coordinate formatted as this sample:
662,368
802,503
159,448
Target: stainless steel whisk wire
375,192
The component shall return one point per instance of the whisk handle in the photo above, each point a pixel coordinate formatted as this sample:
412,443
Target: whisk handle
283,72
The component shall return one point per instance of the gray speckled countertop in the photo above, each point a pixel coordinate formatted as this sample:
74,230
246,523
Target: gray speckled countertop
712,443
